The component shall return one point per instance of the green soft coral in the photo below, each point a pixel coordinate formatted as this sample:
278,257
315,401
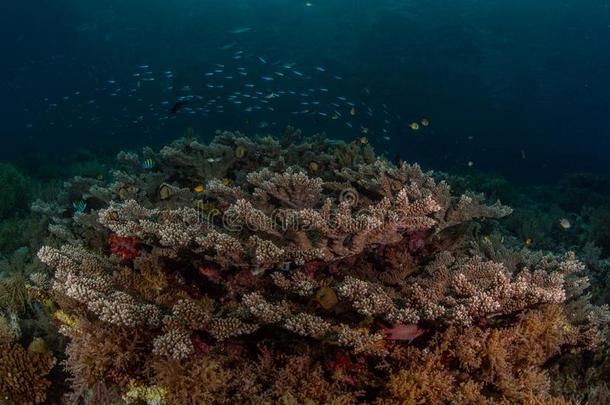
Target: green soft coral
14,189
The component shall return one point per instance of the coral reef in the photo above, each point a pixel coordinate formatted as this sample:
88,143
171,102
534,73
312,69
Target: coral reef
23,373
482,362
200,277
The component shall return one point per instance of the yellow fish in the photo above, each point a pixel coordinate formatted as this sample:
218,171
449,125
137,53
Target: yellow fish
425,122
199,188
414,126
529,242
352,111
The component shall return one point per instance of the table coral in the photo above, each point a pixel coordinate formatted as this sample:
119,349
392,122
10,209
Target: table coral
352,258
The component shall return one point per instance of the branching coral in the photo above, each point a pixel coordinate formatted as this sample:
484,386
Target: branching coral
475,364
464,290
349,260
275,235
83,277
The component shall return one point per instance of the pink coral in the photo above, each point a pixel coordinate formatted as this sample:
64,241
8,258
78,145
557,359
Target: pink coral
416,240
126,248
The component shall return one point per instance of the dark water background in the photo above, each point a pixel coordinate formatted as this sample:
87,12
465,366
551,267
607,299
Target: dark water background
519,87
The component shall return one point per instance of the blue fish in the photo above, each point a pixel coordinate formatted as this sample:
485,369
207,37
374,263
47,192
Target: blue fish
79,206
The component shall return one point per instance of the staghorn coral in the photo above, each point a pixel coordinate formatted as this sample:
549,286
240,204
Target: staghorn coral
82,276
345,262
340,232
464,290
175,344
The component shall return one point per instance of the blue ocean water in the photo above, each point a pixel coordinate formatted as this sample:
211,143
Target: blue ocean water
515,87
510,98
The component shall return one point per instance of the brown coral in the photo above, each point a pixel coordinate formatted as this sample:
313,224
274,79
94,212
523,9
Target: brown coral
23,374
199,380
425,380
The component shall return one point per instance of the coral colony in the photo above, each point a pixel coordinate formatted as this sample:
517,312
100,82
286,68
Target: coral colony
298,271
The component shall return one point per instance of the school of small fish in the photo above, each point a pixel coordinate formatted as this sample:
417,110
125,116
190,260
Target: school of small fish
253,89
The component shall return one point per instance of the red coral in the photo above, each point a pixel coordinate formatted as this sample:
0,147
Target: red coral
125,247
200,345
